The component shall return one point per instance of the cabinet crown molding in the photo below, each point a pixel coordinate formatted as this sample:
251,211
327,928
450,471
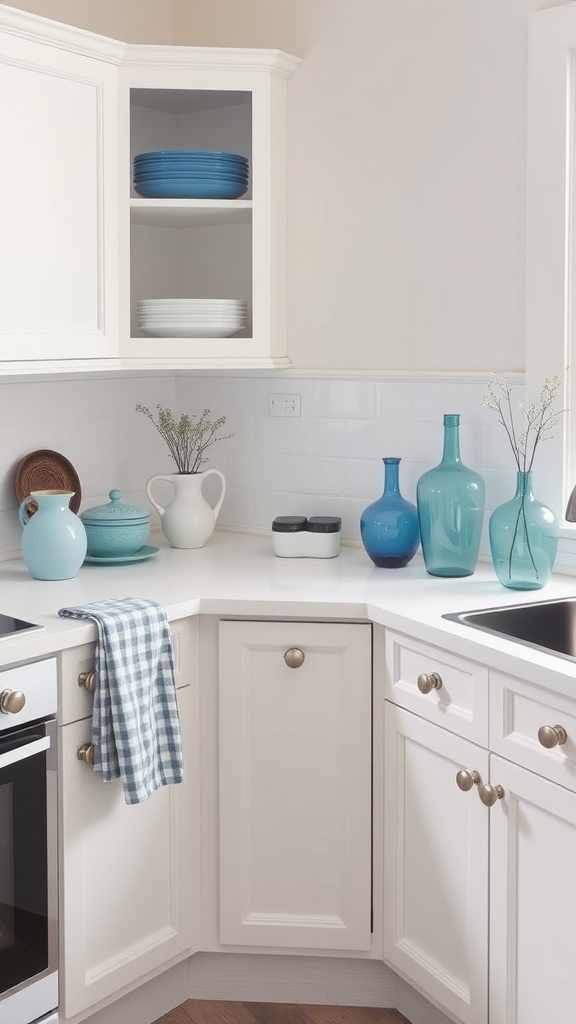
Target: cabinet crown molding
64,37
211,57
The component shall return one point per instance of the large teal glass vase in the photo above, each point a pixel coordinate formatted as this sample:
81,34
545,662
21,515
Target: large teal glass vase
389,526
450,502
523,539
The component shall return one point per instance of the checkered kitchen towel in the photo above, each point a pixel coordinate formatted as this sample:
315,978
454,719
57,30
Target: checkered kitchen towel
135,724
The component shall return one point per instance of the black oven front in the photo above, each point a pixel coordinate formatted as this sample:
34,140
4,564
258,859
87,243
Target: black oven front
28,844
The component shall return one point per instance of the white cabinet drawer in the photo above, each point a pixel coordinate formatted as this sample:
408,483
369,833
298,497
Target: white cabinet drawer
518,711
460,701
75,702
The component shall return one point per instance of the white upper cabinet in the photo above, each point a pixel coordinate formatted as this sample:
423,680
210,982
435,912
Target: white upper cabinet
58,195
81,248
230,101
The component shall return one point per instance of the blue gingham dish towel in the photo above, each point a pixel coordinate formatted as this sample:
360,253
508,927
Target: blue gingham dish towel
135,723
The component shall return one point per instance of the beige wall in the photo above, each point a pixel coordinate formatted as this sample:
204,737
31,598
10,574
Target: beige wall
279,24
133,21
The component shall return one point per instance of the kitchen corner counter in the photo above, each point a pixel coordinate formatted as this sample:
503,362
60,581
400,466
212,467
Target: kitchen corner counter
237,574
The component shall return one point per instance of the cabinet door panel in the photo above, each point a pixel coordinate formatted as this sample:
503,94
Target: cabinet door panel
532,899
57,168
127,874
295,785
435,865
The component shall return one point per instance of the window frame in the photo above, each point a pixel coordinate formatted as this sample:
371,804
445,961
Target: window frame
551,240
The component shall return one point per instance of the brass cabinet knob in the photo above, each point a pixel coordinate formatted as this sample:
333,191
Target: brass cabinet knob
426,683
12,701
551,735
88,680
465,780
294,657
490,794
86,753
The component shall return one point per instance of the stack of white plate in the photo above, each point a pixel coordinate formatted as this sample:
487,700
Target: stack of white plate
191,318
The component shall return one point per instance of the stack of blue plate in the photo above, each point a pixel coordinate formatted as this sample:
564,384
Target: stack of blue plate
190,174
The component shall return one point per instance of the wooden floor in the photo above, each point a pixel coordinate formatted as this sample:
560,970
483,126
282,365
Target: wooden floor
200,1011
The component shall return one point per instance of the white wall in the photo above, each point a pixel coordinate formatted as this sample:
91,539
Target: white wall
407,175
407,187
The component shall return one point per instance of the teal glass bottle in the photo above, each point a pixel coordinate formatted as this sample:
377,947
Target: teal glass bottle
523,539
389,526
450,501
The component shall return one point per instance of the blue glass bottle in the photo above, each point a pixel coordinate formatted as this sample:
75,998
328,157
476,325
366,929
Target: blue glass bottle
389,526
450,502
523,539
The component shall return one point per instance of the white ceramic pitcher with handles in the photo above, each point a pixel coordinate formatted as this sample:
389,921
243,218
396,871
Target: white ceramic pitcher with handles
188,521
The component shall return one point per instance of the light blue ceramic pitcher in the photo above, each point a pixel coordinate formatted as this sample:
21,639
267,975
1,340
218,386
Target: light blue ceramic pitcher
54,539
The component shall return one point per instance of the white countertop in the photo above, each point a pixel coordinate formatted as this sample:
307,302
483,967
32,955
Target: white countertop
238,574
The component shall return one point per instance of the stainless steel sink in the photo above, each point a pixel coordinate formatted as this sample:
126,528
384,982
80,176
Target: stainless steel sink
546,625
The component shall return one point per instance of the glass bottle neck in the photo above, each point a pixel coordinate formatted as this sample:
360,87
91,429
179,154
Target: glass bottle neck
451,451
523,484
391,485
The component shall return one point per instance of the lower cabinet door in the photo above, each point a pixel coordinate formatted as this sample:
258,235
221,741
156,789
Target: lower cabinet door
127,875
295,784
436,865
532,899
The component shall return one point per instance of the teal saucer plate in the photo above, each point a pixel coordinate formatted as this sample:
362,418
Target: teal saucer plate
139,556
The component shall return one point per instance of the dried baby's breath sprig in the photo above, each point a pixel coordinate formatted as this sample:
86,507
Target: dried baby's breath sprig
539,417
187,437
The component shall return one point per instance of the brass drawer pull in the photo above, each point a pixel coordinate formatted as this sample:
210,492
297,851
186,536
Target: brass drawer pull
551,736
12,701
465,779
294,657
490,794
86,753
88,680
426,682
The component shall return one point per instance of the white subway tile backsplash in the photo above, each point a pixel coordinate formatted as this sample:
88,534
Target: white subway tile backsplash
311,475
270,504
415,440
343,399
194,394
240,427
427,400
500,486
10,530
21,403
237,507
363,478
78,400
259,471
283,435
326,461
473,445
148,391
347,438
499,452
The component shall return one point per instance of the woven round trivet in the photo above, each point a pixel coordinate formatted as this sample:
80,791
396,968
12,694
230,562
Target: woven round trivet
45,470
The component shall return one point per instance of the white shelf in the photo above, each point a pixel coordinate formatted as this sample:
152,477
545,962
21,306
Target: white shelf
173,213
